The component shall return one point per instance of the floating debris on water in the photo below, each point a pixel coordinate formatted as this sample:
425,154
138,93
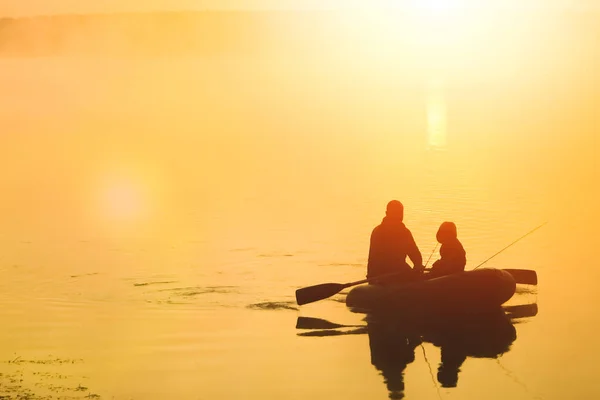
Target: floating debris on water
167,302
274,305
90,274
153,283
29,379
272,255
18,360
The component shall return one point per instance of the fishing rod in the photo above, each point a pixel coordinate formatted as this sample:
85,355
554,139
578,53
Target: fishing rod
437,388
527,234
436,245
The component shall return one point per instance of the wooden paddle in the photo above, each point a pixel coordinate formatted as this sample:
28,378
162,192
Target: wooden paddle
322,291
319,323
314,293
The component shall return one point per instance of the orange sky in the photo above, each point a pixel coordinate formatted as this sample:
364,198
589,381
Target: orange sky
14,8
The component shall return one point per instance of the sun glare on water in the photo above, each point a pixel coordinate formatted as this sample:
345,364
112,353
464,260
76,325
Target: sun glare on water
436,114
432,39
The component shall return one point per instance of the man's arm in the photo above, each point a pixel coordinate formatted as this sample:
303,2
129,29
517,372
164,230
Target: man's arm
372,262
414,254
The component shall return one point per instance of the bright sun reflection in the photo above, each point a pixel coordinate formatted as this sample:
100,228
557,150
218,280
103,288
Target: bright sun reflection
436,114
124,200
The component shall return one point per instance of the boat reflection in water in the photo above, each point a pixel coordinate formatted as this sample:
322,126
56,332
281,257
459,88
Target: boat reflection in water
393,341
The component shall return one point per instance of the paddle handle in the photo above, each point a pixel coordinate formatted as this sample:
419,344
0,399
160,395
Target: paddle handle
347,285
373,279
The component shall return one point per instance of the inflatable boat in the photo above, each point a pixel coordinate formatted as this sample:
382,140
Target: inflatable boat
465,292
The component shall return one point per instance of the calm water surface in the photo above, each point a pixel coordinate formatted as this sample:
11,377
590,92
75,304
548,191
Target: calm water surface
158,216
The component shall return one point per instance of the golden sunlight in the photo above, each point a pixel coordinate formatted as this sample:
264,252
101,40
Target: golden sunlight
431,34
437,5
436,114
125,202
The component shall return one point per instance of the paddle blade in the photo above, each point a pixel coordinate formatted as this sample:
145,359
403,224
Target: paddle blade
333,332
318,292
318,323
523,276
521,311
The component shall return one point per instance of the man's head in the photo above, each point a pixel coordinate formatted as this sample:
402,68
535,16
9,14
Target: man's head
395,210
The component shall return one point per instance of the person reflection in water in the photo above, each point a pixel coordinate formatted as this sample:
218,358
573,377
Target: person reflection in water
391,242
452,360
391,353
483,336
453,256
393,341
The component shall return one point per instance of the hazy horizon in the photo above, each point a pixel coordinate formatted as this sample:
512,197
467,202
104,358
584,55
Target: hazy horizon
32,8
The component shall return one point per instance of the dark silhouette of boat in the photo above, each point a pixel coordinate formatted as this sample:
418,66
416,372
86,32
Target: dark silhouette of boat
475,291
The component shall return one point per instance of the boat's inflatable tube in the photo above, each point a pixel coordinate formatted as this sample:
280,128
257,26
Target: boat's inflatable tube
469,291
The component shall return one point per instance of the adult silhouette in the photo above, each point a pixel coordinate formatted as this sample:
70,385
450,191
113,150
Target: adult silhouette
391,242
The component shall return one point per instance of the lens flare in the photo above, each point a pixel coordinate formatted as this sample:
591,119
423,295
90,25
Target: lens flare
124,200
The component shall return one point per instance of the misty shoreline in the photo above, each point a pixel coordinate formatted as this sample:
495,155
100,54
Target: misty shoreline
253,33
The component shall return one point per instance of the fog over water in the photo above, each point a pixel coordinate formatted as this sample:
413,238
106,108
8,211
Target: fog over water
170,179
